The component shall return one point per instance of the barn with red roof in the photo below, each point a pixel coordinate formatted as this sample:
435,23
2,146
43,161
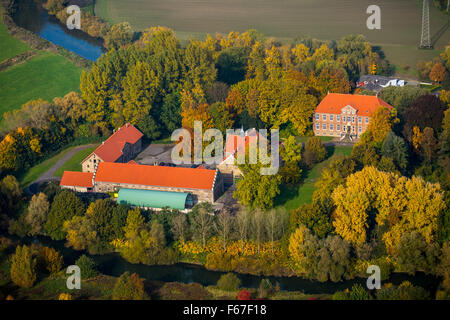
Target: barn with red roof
122,146
341,114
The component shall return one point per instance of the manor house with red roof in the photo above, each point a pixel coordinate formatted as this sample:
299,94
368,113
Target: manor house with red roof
340,114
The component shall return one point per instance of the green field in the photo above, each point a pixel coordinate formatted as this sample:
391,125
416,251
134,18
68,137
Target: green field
292,197
9,46
287,19
45,76
73,164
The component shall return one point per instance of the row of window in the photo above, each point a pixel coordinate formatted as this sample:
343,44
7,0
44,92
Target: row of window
338,127
338,118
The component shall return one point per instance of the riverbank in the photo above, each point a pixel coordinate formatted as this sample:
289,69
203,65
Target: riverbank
34,41
113,265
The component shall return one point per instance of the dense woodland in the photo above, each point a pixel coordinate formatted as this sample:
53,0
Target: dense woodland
387,204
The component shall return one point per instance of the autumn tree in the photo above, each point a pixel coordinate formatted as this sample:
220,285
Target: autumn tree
224,226
370,196
119,35
291,153
129,287
37,213
180,227
315,151
200,67
380,125
275,225
202,222
437,73
243,220
23,267
51,259
425,111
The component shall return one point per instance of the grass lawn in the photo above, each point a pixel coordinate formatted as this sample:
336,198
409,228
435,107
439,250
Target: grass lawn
39,169
9,46
303,139
292,197
45,76
321,19
73,164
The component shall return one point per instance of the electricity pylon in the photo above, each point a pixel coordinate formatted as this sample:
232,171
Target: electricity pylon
425,40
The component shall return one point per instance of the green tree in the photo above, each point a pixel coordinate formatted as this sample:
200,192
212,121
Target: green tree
88,267
65,206
256,190
395,147
414,254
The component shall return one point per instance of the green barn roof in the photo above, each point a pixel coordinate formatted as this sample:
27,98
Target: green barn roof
152,198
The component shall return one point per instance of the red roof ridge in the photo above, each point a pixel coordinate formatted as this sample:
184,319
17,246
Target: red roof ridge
77,179
110,150
162,176
334,102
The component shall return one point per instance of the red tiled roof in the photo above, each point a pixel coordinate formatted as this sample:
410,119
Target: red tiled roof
111,149
364,105
235,142
77,179
162,176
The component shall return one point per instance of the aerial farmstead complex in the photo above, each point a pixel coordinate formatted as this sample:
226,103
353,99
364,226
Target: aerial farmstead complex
111,168
339,115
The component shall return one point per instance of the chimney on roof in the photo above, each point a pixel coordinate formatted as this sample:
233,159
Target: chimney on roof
127,124
103,142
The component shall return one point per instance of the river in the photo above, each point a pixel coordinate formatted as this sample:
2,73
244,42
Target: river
113,264
31,16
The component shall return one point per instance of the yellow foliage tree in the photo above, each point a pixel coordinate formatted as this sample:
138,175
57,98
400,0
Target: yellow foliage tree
403,204
295,243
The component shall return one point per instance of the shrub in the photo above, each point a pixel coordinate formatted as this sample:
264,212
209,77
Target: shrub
244,295
87,266
405,291
181,291
65,296
265,288
341,295
229,282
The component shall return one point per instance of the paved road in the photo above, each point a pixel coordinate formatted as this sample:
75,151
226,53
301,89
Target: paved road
49,174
